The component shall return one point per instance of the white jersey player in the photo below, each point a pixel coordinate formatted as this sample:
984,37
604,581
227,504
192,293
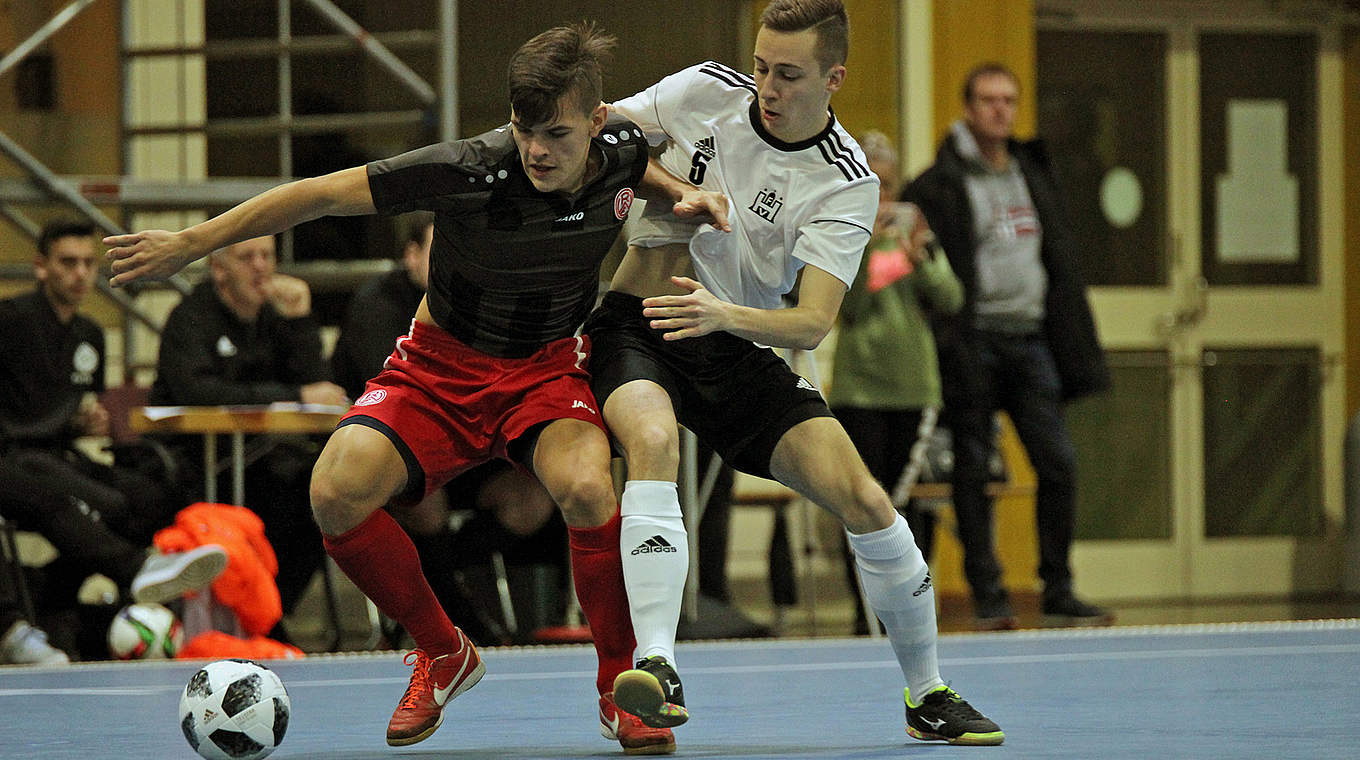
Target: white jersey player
680,336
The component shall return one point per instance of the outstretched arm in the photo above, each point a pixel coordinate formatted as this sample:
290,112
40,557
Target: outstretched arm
699,312
156,254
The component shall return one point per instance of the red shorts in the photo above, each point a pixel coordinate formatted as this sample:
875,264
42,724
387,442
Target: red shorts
448,407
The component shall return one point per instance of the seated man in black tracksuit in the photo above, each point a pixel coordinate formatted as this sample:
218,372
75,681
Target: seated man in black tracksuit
246,336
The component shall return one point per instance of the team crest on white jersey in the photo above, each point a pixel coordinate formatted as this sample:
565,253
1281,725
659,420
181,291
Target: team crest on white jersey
767,204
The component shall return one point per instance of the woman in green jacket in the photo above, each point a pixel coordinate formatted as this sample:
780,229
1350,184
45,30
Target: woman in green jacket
885,371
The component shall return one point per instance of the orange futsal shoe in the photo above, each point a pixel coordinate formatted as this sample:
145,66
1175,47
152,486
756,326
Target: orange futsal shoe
434,682
633,735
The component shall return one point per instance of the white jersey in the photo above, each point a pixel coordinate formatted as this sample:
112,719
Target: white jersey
811,202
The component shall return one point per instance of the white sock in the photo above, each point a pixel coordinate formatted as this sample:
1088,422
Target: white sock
897,583
655,562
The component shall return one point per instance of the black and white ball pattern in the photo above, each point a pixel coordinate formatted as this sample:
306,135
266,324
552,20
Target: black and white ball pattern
234,710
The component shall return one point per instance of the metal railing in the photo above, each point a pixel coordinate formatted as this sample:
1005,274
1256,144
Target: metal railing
80,194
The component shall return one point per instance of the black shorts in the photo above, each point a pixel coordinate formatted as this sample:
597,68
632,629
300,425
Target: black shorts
736,396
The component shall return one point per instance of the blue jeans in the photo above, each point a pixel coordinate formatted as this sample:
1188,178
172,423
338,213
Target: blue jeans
1016,374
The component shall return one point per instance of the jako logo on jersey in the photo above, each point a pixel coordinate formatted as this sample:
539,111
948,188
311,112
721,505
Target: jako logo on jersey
578,216
622,202
804,384
579,404
374,396
654,545
703,153
767,205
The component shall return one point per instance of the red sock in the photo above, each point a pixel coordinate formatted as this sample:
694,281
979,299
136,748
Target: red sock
381,560
597,569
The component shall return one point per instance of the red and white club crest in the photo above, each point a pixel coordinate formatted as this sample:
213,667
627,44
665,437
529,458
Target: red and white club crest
372,397
622,202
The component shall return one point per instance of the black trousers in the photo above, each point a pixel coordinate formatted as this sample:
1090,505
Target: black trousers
1016,374
95,528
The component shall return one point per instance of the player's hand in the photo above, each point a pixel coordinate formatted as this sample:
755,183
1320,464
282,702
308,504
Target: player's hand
696,313
704,206
147,255
290,296
324,393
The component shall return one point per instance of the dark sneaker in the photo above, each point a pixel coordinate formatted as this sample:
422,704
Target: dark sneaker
994,614
1068,610
944,716
652,691
434,682
630,732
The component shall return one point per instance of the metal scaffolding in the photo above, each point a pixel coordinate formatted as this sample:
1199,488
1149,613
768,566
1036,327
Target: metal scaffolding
43,186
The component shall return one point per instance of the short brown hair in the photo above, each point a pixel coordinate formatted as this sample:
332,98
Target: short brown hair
826,17
60,228
990,68
565,60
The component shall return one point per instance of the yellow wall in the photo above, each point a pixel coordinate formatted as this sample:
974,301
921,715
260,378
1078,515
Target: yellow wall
969,32
1351,118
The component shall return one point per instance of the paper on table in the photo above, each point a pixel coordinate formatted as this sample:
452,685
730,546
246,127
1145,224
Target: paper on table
161,412
294,406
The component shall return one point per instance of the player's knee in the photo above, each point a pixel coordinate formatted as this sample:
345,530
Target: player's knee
587,500
866,506
652,446
337,504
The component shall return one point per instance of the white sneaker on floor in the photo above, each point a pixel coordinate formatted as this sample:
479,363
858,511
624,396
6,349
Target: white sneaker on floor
25,645
166,577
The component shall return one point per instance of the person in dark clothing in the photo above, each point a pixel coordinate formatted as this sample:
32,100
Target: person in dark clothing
1025,341
86,544
52,366
382,309
246,336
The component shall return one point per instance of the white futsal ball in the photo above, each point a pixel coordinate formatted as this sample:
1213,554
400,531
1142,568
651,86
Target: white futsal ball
145,632
234,710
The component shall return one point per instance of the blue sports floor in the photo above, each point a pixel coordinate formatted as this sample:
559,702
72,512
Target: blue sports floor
1252,690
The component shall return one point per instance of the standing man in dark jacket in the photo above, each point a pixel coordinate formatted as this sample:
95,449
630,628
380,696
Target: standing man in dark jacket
1025,341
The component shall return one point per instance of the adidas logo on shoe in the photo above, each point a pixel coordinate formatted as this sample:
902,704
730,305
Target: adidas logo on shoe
654,545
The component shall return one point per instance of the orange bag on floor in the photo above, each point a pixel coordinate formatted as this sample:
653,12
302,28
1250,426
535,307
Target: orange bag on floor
214,645
247,586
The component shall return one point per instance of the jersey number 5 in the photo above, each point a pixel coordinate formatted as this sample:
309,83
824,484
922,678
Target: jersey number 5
698,165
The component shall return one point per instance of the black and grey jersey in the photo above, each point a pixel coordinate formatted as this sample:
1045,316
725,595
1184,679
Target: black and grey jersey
512,268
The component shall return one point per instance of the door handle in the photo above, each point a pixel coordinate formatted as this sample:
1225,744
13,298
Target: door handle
1190,313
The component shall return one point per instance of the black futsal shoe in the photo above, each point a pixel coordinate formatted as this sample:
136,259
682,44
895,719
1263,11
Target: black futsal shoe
1067,610
945,716
652,692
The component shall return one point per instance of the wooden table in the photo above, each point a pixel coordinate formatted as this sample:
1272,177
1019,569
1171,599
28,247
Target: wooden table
237,422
